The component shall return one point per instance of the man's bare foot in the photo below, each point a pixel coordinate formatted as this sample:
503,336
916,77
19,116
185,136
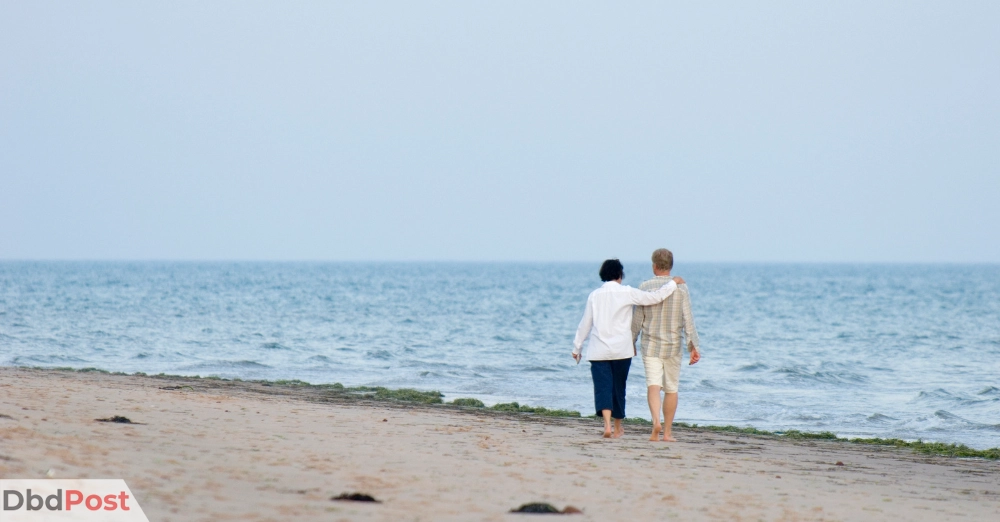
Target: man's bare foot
656,432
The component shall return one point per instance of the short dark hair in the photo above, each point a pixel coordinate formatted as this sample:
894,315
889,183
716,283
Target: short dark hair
612,269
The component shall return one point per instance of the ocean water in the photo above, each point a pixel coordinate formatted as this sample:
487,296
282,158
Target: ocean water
908,351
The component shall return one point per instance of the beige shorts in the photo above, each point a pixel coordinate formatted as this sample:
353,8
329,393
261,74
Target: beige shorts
665,373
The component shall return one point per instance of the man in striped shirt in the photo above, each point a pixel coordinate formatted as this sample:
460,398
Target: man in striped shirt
605,328
661,326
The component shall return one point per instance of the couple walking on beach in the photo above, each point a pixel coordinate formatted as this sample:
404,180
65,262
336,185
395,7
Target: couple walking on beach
660,310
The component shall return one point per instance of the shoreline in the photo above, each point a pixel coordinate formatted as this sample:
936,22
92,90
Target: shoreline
212,449
413,396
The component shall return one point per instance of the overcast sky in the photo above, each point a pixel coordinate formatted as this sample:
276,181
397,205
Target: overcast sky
725,131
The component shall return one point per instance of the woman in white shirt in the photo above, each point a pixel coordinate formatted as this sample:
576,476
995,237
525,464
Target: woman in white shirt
607,322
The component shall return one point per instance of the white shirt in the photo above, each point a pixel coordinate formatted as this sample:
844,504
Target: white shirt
607,321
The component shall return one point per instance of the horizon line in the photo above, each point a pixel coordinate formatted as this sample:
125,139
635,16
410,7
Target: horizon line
477,261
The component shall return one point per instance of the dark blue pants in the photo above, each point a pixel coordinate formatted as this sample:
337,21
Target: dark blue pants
609,385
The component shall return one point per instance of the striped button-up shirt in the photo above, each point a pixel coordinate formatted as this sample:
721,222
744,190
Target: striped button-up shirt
661,324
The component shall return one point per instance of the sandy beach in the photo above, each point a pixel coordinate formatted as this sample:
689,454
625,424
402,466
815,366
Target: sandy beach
221,450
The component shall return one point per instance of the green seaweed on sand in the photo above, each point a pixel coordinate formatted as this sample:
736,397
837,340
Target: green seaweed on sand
796,434
748,430
409,395
401,394
537,410
468,402
934,448
919,446
291,382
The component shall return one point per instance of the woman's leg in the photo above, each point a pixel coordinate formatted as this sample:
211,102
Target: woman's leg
603,392
619,370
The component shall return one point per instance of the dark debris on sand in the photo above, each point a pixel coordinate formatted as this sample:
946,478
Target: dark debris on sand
542,508
355,497
118,419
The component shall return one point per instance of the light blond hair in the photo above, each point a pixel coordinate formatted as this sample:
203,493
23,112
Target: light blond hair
663,259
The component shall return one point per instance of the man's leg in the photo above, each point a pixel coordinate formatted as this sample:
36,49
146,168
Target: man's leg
671,382
654,383
669,409
619,370
653,397
603,392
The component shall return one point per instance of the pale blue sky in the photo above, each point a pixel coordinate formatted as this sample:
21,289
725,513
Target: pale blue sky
726,131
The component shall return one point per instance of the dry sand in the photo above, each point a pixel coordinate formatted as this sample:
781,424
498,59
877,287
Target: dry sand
211,450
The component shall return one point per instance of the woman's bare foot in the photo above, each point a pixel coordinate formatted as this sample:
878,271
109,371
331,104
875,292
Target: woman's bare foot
667,437
607,432
656,432
619,431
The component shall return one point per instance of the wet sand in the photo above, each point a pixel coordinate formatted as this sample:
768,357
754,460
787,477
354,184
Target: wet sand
219,450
